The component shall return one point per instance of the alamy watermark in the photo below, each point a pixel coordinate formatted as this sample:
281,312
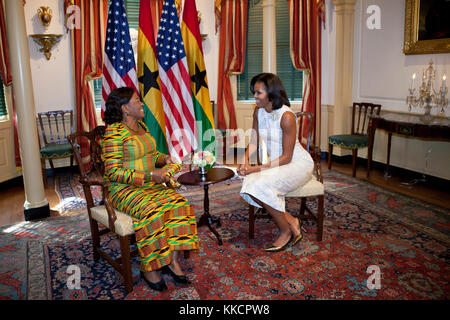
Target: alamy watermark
374,19
73,14
74,277
374,280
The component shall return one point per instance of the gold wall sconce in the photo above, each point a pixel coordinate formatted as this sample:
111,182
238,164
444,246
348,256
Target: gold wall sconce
46,41
199,17
45,15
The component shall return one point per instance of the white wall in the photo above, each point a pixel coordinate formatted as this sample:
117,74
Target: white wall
52,79
382,74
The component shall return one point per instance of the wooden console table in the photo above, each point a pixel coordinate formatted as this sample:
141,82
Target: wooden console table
411,125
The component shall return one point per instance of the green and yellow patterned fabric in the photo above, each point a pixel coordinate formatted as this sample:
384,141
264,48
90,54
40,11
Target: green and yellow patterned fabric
163,220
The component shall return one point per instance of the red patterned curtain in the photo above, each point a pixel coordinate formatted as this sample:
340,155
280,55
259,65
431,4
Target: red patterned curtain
233,35
155,9
5,72
305,47
88,40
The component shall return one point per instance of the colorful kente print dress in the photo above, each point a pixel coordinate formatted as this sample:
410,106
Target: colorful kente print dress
163,220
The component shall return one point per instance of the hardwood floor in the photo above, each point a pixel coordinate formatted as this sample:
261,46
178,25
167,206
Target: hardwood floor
12,199
433,190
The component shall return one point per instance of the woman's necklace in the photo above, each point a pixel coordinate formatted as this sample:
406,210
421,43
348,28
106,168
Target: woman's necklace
131,129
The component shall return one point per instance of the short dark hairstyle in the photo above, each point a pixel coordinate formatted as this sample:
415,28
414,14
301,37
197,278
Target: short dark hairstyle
113,105
275,89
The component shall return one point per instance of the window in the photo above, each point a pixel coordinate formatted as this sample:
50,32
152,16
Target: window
97,92
253,52
132,7
292,79
3,106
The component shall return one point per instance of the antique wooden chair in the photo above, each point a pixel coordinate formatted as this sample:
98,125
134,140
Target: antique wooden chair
313,188
55,126
115,221
358,138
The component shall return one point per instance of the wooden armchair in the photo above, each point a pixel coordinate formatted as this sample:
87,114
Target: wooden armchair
54,128
313,188
115,221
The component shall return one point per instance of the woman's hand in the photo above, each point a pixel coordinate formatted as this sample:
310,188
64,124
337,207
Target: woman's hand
241,170
245,169
169,159
159,176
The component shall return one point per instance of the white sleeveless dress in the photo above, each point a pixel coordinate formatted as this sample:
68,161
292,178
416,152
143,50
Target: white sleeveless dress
271,185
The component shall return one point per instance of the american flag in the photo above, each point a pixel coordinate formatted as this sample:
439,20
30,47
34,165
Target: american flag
175,84
119,68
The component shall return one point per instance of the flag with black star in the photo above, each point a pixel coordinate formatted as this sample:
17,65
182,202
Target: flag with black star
199,82
148,77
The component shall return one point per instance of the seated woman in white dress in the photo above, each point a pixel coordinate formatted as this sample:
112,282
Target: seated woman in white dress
285,164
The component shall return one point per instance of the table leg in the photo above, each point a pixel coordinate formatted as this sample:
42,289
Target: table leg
207,219
388,159
371,133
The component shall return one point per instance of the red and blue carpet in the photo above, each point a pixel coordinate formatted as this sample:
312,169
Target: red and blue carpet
365,225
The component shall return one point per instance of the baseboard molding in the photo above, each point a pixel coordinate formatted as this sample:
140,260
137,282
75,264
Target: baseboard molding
10,183
361,162
18,181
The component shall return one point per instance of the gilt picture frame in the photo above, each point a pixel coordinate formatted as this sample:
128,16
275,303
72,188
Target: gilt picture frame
417,38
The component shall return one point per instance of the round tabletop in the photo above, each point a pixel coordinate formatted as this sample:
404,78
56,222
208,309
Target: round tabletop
214,175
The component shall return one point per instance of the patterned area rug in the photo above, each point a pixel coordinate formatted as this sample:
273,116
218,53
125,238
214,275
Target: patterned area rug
365,227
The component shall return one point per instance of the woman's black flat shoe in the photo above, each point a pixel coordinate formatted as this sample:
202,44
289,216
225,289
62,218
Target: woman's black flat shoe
179,279
158,286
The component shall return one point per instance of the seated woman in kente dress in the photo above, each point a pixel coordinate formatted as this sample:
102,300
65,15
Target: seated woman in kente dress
164,222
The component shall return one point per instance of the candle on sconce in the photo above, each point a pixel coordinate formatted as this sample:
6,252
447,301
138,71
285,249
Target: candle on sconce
412,80
444,77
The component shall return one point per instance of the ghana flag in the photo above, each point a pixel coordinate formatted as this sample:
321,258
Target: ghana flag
199,84
149,82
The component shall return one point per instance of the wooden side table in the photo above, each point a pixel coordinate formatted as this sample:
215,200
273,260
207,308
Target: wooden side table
214,175
410,125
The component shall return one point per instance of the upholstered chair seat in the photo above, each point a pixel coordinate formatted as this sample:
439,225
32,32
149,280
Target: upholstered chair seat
123,225
311,188
349,141
52,151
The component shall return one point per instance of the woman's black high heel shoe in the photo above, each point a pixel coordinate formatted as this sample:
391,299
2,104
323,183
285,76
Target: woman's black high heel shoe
179,279
158,286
